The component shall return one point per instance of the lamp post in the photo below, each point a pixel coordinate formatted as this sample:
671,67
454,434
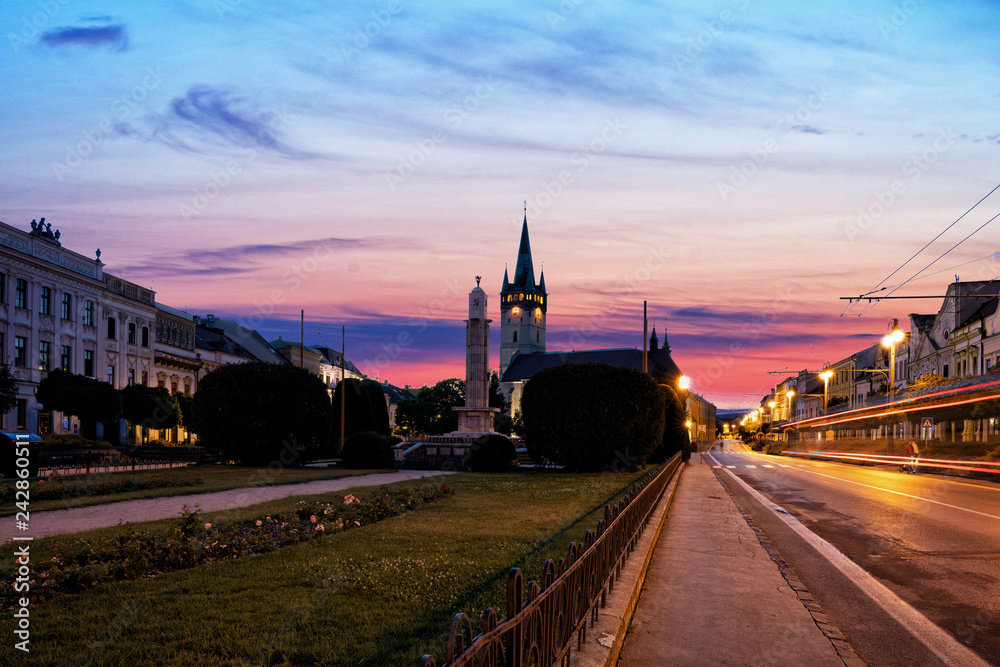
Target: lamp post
826,375
684,384
790,393
894,336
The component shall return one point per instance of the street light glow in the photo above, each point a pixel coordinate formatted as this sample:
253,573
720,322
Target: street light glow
684,382
771,404
826,375
790,393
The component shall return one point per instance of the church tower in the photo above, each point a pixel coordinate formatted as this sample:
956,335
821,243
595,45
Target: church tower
523,304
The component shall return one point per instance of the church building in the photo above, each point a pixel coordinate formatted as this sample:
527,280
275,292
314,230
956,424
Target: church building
523,304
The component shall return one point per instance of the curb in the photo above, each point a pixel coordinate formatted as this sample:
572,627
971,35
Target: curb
604,639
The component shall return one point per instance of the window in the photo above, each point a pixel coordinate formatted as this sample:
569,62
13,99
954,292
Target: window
22,413
515,337
131,377
945,373
20,351
145,337
45,301
111,375
21,294
44,354
88,313
131,333
145,378
67,306
112,328
3,288
173,387
66,358
88,363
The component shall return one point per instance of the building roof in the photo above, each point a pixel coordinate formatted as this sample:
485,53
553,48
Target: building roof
395,394
988,308
233,338
524,270
524,365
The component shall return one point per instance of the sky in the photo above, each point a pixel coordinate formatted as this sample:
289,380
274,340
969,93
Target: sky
739,165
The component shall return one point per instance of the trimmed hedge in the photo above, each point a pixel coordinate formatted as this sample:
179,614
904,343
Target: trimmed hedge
367,449
491,453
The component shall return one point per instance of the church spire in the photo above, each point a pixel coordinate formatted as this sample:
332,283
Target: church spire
506,280
524,272
654,342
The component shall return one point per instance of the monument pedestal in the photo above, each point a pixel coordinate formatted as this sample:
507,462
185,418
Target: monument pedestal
478,421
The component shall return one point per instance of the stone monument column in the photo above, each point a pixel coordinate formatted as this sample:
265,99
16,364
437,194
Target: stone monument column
477,415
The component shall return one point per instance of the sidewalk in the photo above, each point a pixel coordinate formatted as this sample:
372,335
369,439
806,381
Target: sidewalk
713,596
57,522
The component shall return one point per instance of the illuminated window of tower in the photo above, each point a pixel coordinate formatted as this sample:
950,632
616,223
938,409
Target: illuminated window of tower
538,313
515,311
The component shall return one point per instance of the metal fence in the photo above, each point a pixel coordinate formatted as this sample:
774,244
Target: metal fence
111,460
540,629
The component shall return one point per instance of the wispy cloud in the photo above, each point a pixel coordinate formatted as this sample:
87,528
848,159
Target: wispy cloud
92,36
242,259
207,117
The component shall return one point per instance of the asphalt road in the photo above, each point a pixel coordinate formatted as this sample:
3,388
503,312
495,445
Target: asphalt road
933,541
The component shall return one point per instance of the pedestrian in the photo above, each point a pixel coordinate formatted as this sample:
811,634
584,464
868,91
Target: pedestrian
913,451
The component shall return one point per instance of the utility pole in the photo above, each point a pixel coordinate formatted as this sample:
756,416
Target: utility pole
302,337
645,342
343,385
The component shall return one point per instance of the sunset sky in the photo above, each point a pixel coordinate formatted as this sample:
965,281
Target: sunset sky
739,166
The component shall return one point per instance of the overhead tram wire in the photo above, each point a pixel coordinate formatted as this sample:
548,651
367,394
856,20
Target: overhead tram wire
898,269
939,258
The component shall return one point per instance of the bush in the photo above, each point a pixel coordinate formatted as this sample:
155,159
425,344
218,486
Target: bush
491,453
367,449
68,441
590,417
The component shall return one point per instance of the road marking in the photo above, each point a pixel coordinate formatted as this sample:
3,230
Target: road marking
900,493
731,466
750,466
716,466
943,645
766,465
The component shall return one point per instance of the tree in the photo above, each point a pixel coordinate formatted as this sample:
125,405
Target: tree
149,407
590,417
926,381
185,402
675,433
380,409
91,400
358,410
260,413
8,390
432,412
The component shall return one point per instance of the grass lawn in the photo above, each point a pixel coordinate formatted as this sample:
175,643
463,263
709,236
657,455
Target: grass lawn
213,478
383,594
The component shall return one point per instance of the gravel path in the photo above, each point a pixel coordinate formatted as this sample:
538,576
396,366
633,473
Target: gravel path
56,522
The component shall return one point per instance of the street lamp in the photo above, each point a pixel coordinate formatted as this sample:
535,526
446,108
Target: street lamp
826,375
890,340
684,382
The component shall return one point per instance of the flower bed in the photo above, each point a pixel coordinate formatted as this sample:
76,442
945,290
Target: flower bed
55,488
132,554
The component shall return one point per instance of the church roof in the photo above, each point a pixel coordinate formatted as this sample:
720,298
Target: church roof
524,271
524,365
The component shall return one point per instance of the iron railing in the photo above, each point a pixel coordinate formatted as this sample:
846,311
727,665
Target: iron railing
539,629
113,460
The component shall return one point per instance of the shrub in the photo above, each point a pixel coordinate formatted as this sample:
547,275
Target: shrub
589,417
491,453
367,449
258,412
